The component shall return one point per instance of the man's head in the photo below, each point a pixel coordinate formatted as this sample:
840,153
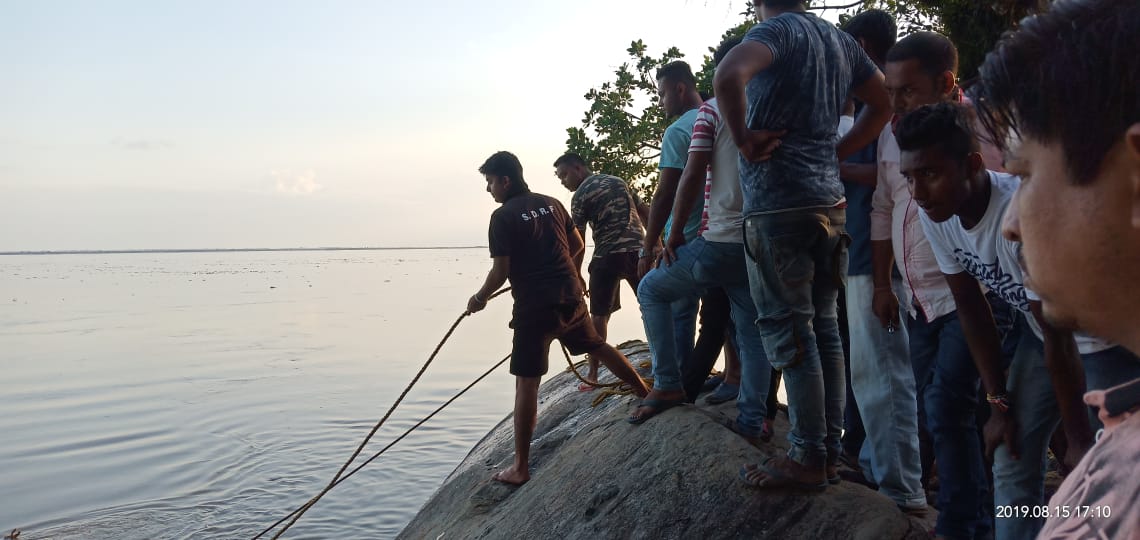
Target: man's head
725,46
939,158
766,9
675,84
504,176
1063,95
876,32
571,170
922,69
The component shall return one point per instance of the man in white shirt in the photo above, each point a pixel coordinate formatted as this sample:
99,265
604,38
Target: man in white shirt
963,206
921,69
1062,83
715,258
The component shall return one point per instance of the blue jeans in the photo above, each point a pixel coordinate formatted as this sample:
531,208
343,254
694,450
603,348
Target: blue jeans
701,264
797,260
1022,482
882,378
951,398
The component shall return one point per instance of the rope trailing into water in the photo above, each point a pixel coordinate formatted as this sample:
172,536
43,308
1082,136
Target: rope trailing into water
336,479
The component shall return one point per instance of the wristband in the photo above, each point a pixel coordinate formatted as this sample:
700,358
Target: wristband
641,253
1001,401
480,300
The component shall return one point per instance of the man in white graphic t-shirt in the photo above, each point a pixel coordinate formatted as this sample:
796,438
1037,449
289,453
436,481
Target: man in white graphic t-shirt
963,206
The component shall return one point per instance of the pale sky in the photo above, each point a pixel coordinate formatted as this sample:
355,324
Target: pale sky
211,124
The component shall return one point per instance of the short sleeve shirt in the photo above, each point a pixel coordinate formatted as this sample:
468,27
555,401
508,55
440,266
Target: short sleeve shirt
608,205
815,67
674,155
532,230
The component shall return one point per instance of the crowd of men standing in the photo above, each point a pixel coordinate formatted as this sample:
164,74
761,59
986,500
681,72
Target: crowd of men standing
980,245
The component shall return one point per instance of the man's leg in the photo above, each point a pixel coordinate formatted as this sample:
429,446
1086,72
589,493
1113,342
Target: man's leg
605,281
526,416
785,308
853,433
1020,483
882,378
714,318
659,294
951,409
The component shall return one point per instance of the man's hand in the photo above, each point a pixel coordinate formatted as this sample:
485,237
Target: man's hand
1074,452
672,244
476,304
885,306
1096,399
646,262
1000,429
758,144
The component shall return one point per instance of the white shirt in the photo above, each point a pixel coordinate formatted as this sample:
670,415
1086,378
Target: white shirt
894,217
991,258
723,198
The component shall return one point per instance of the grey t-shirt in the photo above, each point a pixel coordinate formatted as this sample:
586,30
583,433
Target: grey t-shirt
815,67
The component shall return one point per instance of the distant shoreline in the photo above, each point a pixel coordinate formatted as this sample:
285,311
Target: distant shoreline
223,250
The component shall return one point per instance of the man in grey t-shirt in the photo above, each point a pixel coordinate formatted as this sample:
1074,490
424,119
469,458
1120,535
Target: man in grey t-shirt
799,71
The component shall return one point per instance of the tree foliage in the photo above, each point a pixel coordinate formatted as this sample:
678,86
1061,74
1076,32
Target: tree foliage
622,129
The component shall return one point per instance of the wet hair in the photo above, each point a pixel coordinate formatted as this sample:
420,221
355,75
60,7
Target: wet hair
947,125
935,53
875,27
1065,77
677,71
725,46
570,158
504,163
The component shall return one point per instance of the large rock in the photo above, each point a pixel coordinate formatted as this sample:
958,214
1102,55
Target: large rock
593,475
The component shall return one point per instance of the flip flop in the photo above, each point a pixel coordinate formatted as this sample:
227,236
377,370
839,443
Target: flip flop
585,387
657,406
775,478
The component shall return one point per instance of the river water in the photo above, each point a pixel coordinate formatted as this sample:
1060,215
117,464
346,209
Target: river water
206,395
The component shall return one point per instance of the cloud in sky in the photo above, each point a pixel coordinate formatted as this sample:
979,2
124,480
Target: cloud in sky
291,183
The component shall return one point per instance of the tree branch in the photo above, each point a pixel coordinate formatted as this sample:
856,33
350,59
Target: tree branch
848,6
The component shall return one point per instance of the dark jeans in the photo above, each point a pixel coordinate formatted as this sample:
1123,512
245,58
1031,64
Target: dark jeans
715,318
853,432
796,263
950,394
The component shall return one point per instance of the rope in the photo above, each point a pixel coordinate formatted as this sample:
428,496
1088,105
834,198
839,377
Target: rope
393,443
304,508
616,388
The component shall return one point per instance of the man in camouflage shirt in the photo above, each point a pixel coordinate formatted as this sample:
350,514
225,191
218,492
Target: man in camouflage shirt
616,215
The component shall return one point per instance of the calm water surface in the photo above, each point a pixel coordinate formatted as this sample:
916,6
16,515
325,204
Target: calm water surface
206,395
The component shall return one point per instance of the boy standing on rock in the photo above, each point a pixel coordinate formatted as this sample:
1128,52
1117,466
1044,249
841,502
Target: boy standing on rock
533,243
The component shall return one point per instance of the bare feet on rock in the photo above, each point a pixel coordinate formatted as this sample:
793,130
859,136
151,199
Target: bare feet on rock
512,476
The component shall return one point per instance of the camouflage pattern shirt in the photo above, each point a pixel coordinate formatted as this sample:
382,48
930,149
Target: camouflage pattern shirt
610,208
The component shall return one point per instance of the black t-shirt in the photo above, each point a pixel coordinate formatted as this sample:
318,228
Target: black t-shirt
532,229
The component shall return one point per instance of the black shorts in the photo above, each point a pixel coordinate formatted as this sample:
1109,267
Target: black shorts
534,331
606,274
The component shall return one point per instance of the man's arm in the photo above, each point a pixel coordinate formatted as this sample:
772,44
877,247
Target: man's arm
876,113
742,63
689,192
985,346
658,213
500,269
865,174
642,212
884,303
1065,369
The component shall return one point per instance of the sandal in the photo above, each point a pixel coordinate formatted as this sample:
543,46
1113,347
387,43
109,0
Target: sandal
655,406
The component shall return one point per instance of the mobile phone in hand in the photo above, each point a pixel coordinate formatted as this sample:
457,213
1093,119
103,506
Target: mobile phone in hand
1122,398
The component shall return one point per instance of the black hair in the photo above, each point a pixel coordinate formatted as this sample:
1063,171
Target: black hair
875,27
1065,76
570,158
677,71
947,125
725,46
504,163
935,53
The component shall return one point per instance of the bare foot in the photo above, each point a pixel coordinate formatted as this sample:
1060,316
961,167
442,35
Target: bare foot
511,476
783,472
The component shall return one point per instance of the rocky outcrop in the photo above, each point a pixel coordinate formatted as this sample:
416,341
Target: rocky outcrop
675,477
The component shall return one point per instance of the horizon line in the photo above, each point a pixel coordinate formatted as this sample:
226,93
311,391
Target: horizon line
220,250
